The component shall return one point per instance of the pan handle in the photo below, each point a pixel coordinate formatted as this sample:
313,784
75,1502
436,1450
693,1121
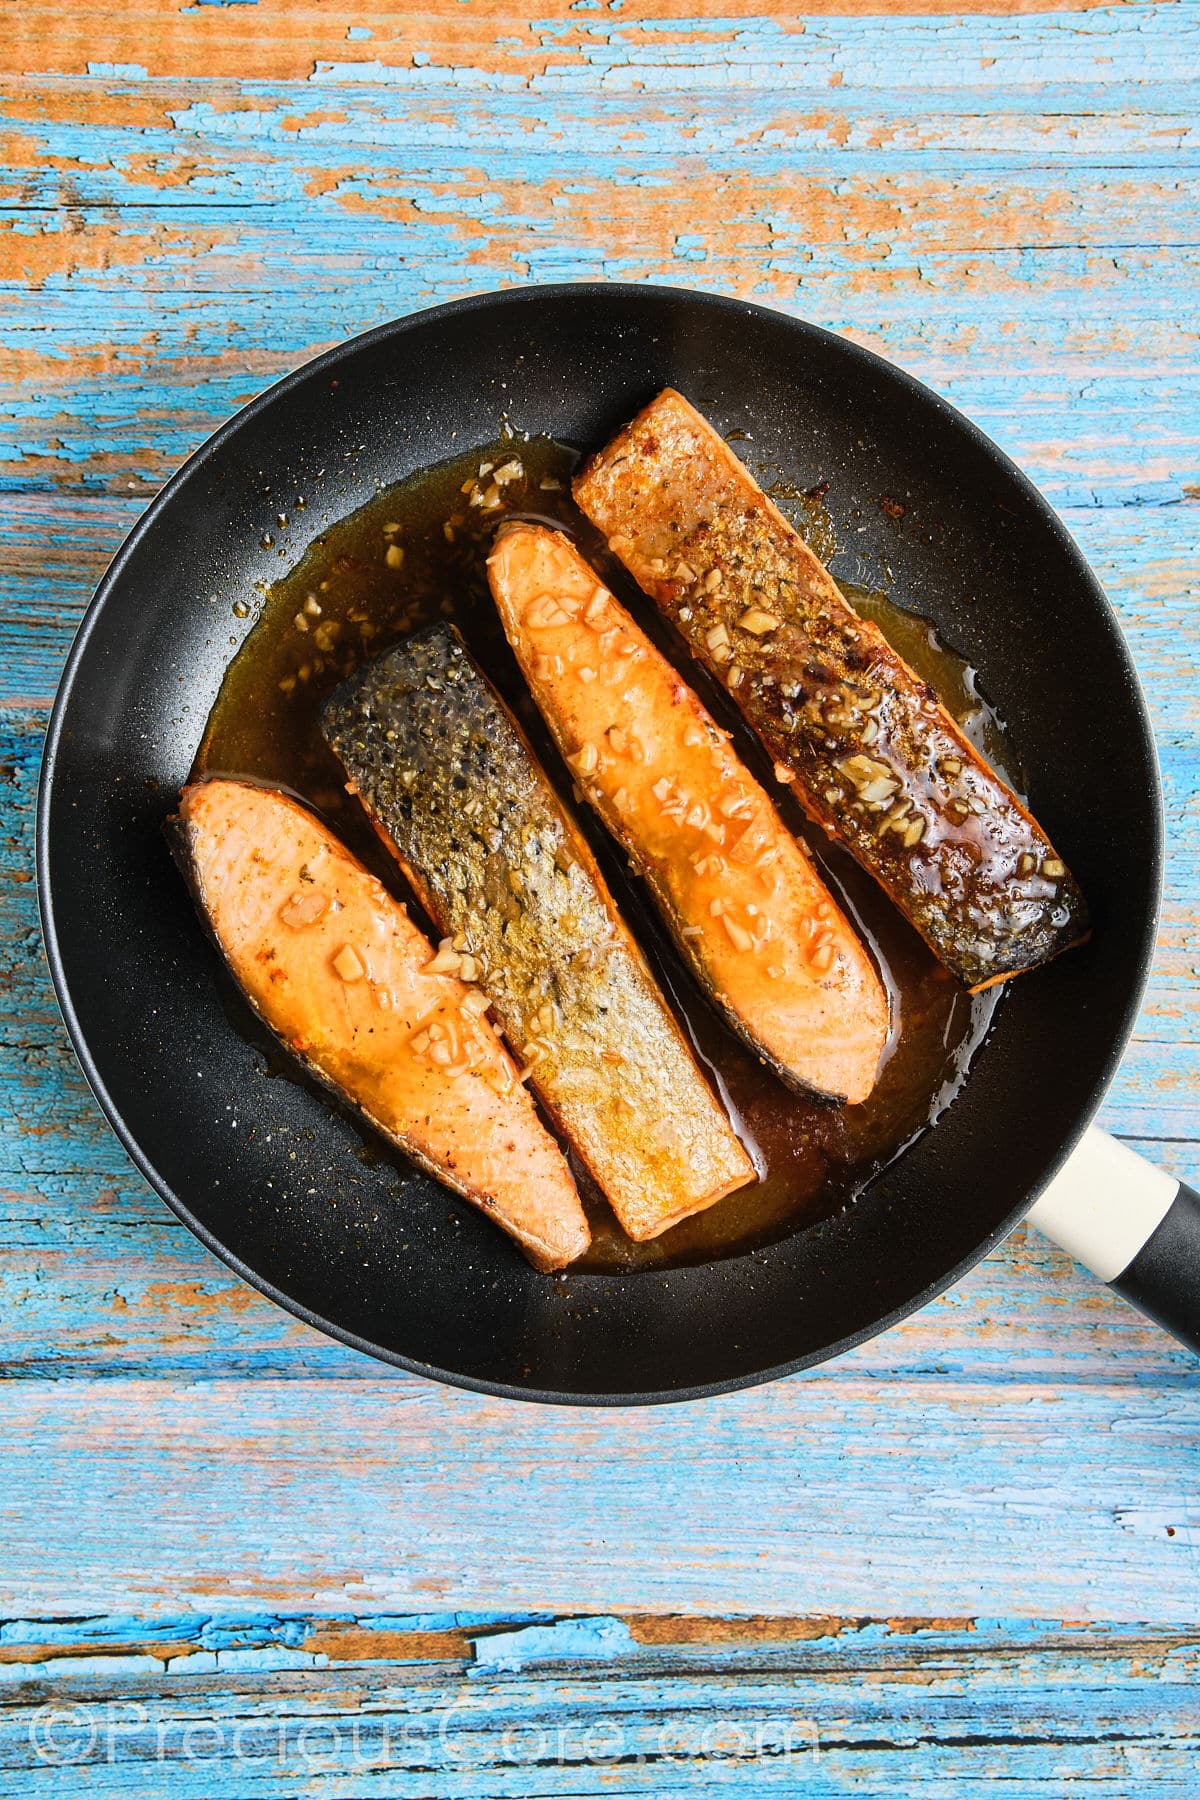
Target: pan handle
1131,1224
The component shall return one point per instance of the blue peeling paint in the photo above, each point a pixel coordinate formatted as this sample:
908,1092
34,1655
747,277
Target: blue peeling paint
579,1640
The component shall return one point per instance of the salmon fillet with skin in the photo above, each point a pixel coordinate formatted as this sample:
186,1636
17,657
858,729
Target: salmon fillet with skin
877,761
741,897
450,780
333,964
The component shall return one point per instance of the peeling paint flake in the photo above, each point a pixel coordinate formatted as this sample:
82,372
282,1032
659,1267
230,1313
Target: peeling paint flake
581,1640
118,71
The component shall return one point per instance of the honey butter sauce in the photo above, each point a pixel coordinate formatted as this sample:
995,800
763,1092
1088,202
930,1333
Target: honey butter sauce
417,552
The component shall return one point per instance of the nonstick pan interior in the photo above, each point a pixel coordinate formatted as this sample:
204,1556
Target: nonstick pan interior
252,1161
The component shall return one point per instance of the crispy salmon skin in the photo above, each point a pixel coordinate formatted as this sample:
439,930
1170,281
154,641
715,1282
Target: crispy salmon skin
333,964
751,915
447,775
876,759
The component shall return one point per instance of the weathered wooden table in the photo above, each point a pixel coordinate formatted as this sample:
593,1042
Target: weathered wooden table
236,1559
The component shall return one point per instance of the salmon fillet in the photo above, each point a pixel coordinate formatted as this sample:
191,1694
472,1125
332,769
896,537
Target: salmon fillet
876,759
333,964
751,915
447,775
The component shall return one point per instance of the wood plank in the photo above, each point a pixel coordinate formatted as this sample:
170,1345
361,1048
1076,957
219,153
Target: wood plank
1093,436
619,1705
854,1498
1071,400
97,1280
288,38
997,172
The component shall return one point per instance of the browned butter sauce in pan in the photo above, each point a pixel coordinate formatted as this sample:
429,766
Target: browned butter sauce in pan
416,553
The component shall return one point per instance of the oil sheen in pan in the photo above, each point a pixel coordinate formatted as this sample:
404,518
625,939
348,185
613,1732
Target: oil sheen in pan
417,552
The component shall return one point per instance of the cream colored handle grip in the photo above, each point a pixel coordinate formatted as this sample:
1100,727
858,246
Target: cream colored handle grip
1133,1225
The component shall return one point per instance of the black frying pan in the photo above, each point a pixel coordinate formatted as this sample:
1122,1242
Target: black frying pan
140,987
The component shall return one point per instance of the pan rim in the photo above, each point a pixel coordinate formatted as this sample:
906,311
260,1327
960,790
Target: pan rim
532,294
